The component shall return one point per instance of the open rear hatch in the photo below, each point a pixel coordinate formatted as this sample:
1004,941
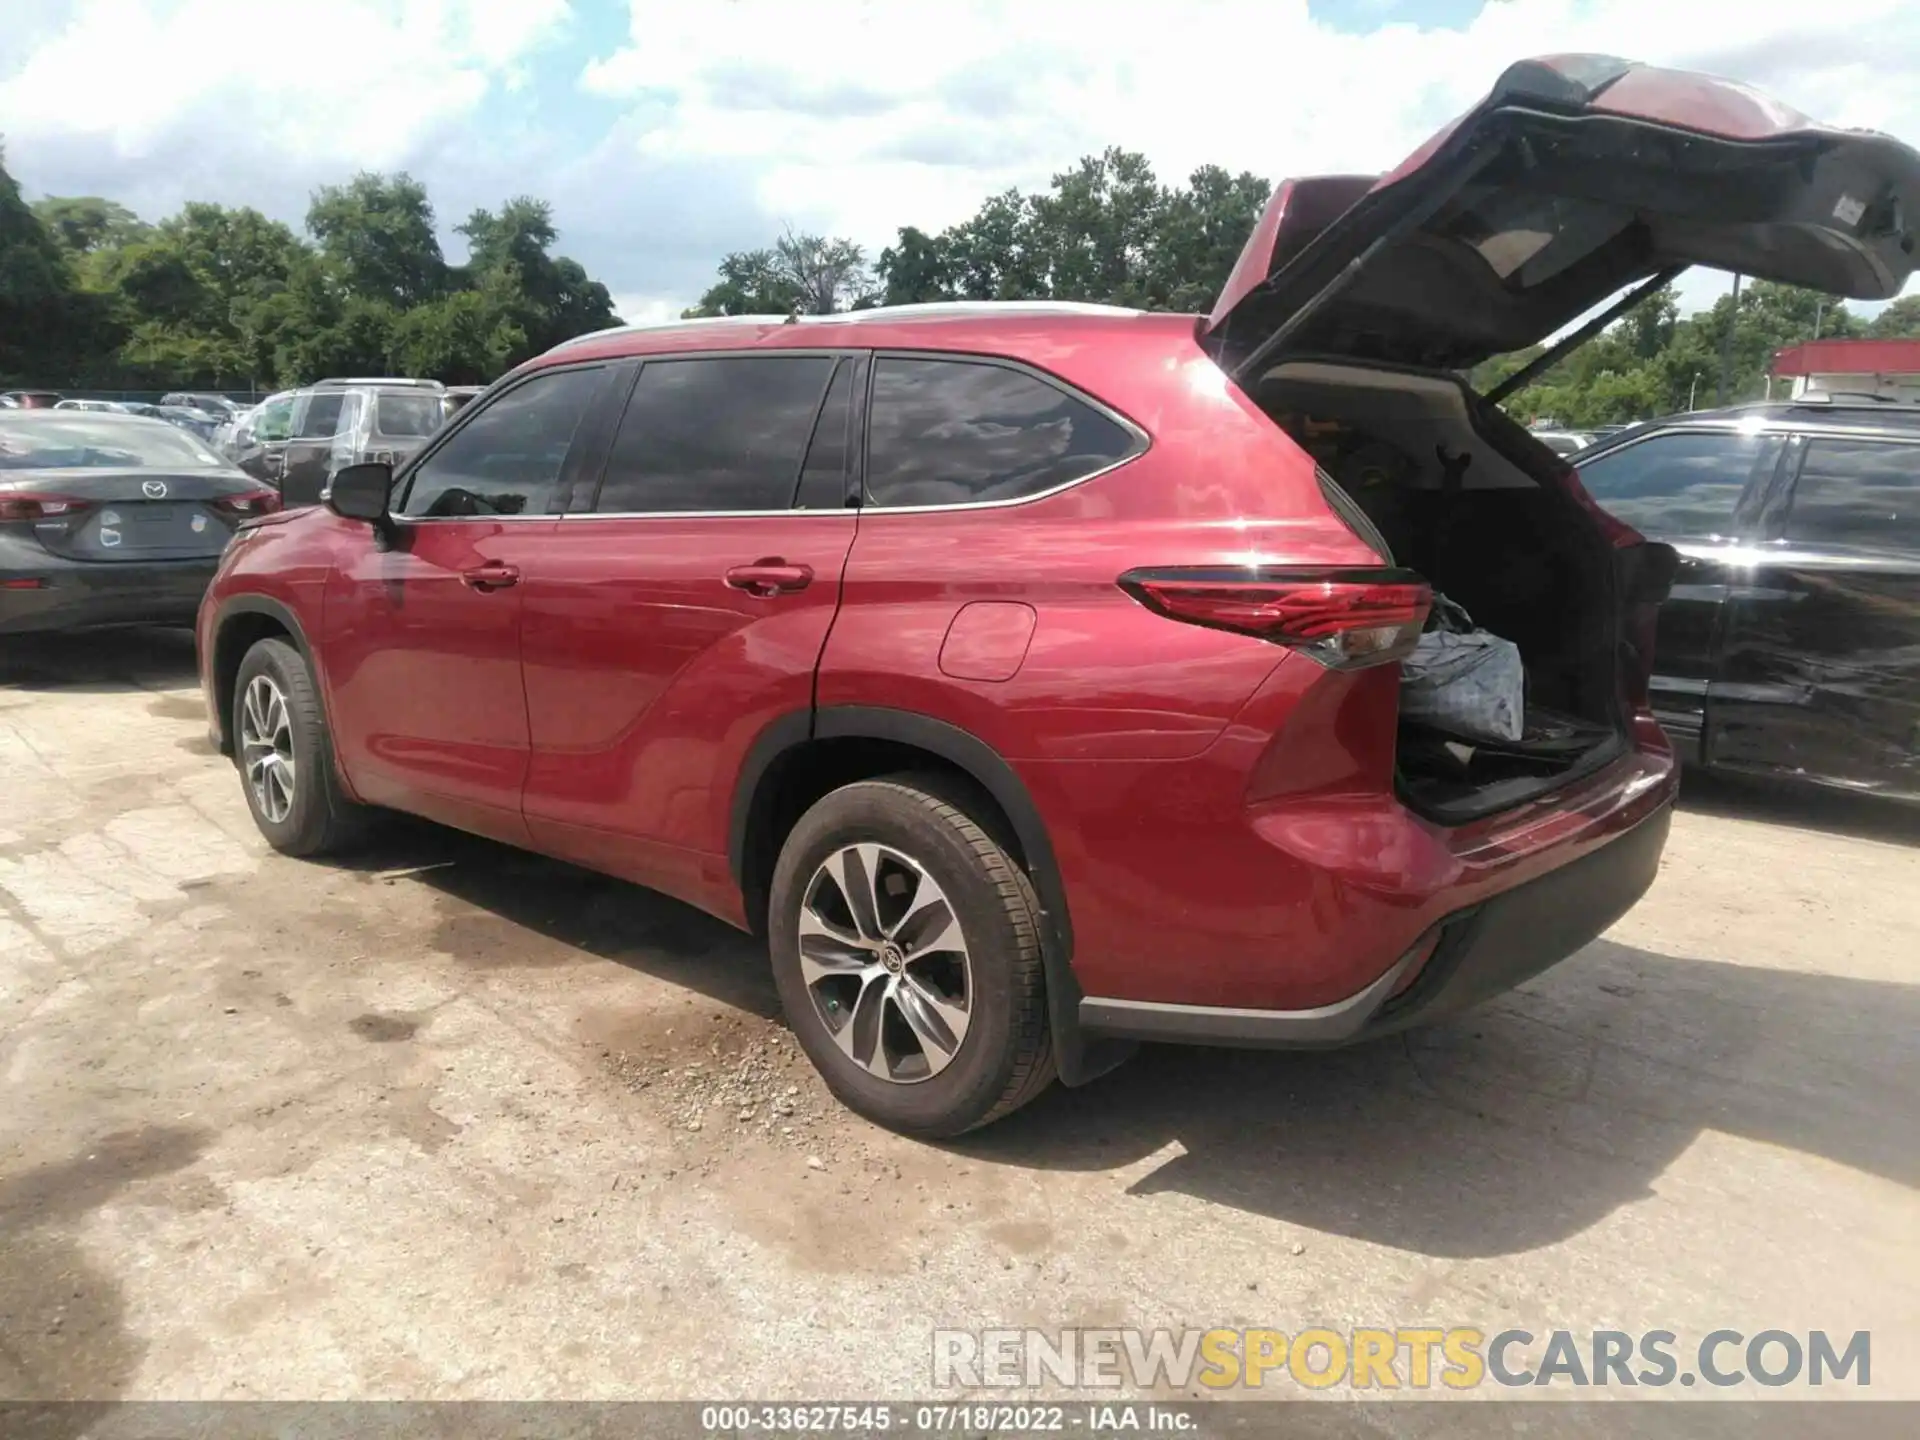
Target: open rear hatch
1578,176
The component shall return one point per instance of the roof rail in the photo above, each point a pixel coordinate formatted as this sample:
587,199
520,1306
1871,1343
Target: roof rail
685,323
392,381
1846,397
945,309
930,310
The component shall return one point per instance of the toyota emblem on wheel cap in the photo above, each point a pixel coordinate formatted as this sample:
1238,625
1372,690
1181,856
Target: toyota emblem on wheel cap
153,489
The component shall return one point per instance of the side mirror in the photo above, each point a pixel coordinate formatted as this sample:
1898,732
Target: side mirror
359,492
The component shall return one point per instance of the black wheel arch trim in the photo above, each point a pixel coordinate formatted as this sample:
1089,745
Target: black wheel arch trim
274,609
1077,1058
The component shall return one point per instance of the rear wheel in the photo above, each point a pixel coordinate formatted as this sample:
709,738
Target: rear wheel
285,755
906,949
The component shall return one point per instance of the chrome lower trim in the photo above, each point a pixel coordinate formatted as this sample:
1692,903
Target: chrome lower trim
1219,1025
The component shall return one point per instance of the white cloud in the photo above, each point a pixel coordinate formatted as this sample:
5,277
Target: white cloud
647,309
349,83
863,116
716,122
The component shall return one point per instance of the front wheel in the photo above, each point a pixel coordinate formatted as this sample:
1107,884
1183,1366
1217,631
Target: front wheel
285,755
906,950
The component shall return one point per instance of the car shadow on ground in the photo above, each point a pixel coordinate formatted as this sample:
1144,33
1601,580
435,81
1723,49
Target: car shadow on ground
1801,807
99,662
1518,1126
502,908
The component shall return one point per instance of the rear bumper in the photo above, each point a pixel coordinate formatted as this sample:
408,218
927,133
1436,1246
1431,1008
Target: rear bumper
1481,951
71,596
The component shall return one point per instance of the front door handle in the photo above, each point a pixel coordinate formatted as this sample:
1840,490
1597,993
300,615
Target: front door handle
491,576
770,577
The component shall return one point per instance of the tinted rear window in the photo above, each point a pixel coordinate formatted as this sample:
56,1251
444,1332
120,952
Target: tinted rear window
1684,483
407,416
705,435
950,432
1860,493
58,439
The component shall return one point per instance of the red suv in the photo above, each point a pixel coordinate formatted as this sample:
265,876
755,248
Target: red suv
1029,675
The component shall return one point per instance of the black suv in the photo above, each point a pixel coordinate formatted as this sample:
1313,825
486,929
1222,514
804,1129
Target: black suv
1791,641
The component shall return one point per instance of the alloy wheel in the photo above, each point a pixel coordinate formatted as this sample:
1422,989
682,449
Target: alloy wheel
885,963
266,747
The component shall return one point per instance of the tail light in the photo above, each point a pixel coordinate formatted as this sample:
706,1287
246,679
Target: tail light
18,505
253,502
1345,619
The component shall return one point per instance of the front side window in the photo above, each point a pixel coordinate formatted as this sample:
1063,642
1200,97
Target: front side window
507,459
1859,493
1684,483
952,432
715,434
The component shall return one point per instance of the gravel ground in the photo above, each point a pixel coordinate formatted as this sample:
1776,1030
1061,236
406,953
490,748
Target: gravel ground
458,1122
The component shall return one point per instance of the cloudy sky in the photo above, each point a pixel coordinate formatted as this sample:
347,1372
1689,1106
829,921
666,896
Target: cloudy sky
666,134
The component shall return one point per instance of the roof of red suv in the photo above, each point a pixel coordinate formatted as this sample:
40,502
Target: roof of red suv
1015,328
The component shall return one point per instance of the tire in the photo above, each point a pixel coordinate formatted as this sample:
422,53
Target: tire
304,812
851,1005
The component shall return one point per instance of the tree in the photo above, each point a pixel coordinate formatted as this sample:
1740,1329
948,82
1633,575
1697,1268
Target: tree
750,283
1105,231
830,275
465,339
378,233
1899,321
84,223
50,331
546,299
1099,230
798,275
916,270
1202,231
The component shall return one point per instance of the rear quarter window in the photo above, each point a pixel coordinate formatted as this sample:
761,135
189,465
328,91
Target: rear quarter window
1686,482
1862,494
958,432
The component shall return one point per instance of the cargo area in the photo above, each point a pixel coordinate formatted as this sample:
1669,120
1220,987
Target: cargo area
1446,485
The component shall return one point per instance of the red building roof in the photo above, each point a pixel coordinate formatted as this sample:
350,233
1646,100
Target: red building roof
1849,357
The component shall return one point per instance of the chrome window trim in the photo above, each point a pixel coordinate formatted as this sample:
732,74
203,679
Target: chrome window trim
1143,441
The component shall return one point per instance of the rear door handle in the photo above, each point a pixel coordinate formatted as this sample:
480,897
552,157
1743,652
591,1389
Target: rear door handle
491,576
770,577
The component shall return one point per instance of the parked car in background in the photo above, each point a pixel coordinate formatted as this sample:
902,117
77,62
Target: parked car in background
1791,643
257,441
1016,670
199,422
109,519
1564,442
342,422
30,399
457,396
218,406
112,407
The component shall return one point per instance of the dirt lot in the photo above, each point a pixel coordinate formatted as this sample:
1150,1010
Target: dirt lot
455,1121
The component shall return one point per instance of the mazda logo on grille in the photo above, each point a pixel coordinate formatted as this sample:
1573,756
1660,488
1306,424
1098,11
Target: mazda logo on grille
153,489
